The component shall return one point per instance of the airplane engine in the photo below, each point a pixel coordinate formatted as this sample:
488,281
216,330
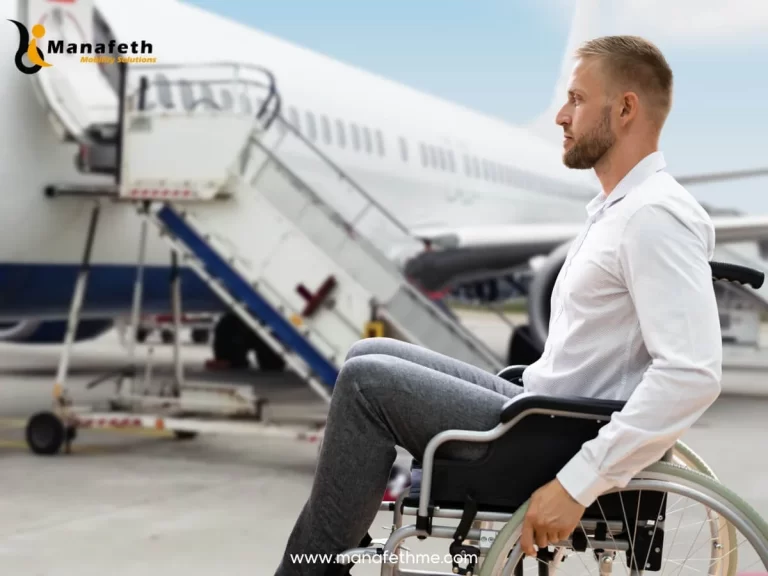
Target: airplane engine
51,331
739,306
540,294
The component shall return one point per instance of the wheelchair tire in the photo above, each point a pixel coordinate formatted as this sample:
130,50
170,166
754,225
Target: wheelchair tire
686,457
690,459
677,479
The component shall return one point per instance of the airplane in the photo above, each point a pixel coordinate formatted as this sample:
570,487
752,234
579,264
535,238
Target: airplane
484,196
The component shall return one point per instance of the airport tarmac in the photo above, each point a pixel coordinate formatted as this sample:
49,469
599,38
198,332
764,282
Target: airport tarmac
145,504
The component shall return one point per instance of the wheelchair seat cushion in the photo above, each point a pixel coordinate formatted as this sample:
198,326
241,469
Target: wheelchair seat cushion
548,432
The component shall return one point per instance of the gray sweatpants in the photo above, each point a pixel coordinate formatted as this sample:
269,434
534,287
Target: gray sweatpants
387,393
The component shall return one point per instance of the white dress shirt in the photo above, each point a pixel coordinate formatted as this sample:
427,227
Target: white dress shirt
634,317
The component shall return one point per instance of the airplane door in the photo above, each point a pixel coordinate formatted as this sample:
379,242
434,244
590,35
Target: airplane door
75,93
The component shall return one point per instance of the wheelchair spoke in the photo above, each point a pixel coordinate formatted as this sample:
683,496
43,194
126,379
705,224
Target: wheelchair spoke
610,532
677,531
692,545
655,525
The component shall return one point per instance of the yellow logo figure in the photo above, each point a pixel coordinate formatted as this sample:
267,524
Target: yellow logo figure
38,31
30,48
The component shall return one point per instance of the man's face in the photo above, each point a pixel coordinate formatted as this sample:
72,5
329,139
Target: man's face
585,118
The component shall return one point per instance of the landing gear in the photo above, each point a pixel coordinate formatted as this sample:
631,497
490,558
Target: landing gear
233,341
200,335
46,434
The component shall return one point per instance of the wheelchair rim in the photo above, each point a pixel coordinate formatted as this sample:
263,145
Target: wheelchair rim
685,456
661,476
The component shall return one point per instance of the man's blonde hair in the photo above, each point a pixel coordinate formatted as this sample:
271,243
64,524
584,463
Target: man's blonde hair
633,63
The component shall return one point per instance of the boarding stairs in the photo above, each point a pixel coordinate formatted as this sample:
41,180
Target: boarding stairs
303,265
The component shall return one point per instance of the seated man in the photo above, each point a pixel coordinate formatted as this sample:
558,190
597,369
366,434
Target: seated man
634,317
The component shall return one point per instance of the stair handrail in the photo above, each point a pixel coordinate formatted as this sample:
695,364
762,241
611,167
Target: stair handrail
344,176
145,83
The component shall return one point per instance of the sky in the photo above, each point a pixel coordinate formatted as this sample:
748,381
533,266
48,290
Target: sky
503,57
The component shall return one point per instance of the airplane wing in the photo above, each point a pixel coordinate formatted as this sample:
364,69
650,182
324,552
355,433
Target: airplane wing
720,176
458,255
463,254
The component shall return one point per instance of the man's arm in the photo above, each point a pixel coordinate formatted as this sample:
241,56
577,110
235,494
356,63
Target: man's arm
666,269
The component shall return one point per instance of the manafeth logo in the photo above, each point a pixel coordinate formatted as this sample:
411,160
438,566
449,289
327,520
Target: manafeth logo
104,53
30,48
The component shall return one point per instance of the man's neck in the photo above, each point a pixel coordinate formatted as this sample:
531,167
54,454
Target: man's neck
618,162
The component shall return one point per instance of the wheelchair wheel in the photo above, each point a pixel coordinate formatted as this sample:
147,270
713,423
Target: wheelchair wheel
684,456
663,482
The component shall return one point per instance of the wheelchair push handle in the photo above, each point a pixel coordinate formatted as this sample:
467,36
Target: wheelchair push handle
736,273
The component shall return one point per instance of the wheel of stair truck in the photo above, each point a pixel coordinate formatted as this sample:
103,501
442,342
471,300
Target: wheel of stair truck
46,433
609,535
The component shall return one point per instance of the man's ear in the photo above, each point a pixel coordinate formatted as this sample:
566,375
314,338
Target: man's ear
628,106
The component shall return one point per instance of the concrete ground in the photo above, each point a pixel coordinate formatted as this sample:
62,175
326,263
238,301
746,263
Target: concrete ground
146,504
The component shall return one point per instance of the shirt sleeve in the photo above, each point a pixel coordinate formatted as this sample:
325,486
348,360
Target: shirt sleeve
665,267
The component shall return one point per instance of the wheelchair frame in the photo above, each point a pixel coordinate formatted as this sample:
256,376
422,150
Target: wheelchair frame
499,550
689,477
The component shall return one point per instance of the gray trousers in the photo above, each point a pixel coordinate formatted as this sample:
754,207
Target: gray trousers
388,393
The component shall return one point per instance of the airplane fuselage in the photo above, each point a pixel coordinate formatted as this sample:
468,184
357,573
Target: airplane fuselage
427,161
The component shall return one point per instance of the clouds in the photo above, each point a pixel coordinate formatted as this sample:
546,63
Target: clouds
680,22
694,21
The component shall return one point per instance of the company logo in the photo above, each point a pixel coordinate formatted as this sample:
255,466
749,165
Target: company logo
30,48
90,53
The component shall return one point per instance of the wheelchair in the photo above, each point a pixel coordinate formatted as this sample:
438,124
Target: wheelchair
535,437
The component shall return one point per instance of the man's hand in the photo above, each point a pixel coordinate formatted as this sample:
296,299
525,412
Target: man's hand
552,516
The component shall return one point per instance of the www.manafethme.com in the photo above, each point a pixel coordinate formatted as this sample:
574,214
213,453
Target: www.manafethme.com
402,557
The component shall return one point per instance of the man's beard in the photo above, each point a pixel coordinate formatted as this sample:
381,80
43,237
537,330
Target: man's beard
587,150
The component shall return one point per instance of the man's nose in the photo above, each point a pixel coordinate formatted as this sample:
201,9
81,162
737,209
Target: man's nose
562,118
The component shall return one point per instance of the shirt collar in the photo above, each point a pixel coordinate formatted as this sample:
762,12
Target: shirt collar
644,169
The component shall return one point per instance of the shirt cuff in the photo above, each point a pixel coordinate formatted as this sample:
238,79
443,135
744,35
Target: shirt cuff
581,481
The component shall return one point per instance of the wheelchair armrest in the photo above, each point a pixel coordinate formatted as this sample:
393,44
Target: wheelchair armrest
576,405
511,372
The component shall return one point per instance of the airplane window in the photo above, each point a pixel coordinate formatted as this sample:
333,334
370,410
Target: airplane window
207,100
326,129
311,128
340,136
451,161
187,96
245,103
423,150
380,142
441,158
164,91
294,118
226,99
355,137
403,149
432,157
476,164
367,139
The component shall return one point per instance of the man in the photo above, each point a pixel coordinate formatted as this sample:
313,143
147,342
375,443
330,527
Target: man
634,317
